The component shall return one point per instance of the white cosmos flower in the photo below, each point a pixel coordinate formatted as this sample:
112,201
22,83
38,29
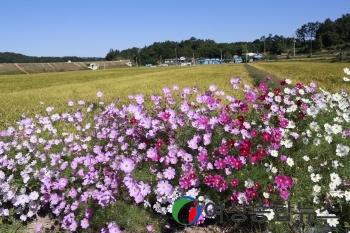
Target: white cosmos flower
289,81
346,79
336,193
346,71
274,153
314,126
290,162
328,128
337,97
274,170
342,150
316,188
312,111
305,141
317,141
335,178
310,169
287,143
315,177
328,138
332,186
335,164
347,195
287,90
332,222
249,183
270,215
306,158
336,128
241,198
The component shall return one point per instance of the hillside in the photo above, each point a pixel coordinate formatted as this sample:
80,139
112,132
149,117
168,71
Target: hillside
30,68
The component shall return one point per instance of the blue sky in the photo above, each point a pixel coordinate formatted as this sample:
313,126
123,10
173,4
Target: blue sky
90,28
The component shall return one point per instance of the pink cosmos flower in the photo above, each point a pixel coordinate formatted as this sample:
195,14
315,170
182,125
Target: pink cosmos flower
250,96
266,137
145,188
224,117
185,182
210,100
139,99
62,182
223,150
202,157
99,94
202,120
234,182
279,180
284,123
283,158
39,226
253,133
169,173
164,188
150,228
284,194
127,165
220,164
263,86
152,153
237,163
84,223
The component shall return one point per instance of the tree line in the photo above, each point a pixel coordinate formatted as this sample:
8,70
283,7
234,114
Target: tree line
313,36
8,57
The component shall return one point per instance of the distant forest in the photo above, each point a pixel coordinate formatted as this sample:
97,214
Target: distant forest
8,57
310,37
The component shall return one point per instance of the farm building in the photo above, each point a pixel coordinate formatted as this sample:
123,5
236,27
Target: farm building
209,61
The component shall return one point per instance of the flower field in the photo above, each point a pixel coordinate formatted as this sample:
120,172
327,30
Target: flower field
120,158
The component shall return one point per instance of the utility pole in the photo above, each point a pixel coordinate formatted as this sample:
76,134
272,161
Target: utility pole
221,54
294,46
175,57
311,36
246,54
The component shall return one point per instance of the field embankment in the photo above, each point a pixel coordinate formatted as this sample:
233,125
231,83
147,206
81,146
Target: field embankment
34,68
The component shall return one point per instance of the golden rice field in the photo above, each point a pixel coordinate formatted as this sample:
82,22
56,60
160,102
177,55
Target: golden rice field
24,93
32,93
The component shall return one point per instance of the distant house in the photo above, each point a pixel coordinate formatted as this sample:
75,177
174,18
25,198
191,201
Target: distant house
253,56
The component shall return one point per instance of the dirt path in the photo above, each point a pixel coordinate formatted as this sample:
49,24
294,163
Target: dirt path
21,68
260,76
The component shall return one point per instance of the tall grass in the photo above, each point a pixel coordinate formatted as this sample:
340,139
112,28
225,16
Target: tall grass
326,75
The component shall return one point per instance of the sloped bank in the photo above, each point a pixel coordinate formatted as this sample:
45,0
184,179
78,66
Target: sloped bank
30,68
